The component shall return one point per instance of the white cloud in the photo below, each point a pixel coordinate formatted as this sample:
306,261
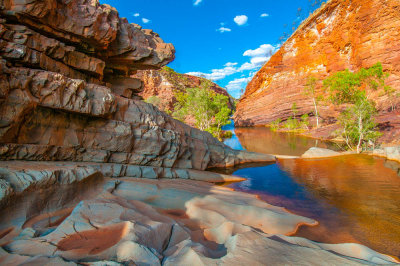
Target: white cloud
229,64
241,20
264,15
257,56
236,86
197,2
259,60
247,66
223,29
216,74
263,50
136,15
145,20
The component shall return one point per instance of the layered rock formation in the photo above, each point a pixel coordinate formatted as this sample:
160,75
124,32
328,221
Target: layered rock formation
78,150
165,83
55,104
106,221
341,34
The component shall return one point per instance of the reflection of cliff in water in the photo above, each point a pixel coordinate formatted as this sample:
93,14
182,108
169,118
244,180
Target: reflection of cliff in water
365,189
261,139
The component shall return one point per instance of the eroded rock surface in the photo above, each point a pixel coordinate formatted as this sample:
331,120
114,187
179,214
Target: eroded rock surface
341,34
63,69
168,222
79,151
316,152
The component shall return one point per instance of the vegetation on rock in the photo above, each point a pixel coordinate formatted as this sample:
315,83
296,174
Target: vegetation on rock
353,89
209,109
194,100
292,124
310,90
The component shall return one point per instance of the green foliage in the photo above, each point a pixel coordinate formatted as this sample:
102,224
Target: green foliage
156,101
345,87
359,125
392,94
294,109
209,109
310,90
304,121
226,134
348,87
275,125
292,124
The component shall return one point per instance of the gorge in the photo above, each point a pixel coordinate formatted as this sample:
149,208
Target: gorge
339,35
90,174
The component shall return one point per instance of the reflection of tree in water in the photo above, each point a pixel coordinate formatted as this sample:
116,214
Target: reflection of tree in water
264,140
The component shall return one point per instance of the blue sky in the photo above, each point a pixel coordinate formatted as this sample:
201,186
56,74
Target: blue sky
224,40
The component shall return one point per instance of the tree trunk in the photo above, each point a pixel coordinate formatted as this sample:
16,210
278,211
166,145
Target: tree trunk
360,138
316,112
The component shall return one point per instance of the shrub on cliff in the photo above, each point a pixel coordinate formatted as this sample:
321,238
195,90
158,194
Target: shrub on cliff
209,109
353,88
359,127
155,100
310,90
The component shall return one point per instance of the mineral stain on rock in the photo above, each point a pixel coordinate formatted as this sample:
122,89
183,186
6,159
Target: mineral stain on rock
94,241
91,174
341,34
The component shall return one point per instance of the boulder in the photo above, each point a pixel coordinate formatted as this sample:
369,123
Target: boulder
316,152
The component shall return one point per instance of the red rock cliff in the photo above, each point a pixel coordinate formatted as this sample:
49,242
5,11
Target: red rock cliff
341,34
166,82
65,69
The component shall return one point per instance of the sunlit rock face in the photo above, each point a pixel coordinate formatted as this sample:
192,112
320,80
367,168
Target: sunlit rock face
165,83
67,94
103,221
341,34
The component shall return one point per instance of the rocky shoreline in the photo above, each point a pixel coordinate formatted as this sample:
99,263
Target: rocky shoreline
92,175
98,220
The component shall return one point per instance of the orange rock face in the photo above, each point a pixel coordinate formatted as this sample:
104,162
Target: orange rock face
341,34
165,83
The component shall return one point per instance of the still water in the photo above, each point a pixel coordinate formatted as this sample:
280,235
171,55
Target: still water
355,198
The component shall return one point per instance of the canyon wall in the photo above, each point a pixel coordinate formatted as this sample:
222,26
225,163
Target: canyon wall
165,83
65,71
341,34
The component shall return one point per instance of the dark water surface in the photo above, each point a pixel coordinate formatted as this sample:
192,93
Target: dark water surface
355,198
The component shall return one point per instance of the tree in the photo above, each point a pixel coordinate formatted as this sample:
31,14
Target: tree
209,109
345,85
358,124
310,90
350,88
294,110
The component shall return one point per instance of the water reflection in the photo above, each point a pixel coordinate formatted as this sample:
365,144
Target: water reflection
261,139
355,198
